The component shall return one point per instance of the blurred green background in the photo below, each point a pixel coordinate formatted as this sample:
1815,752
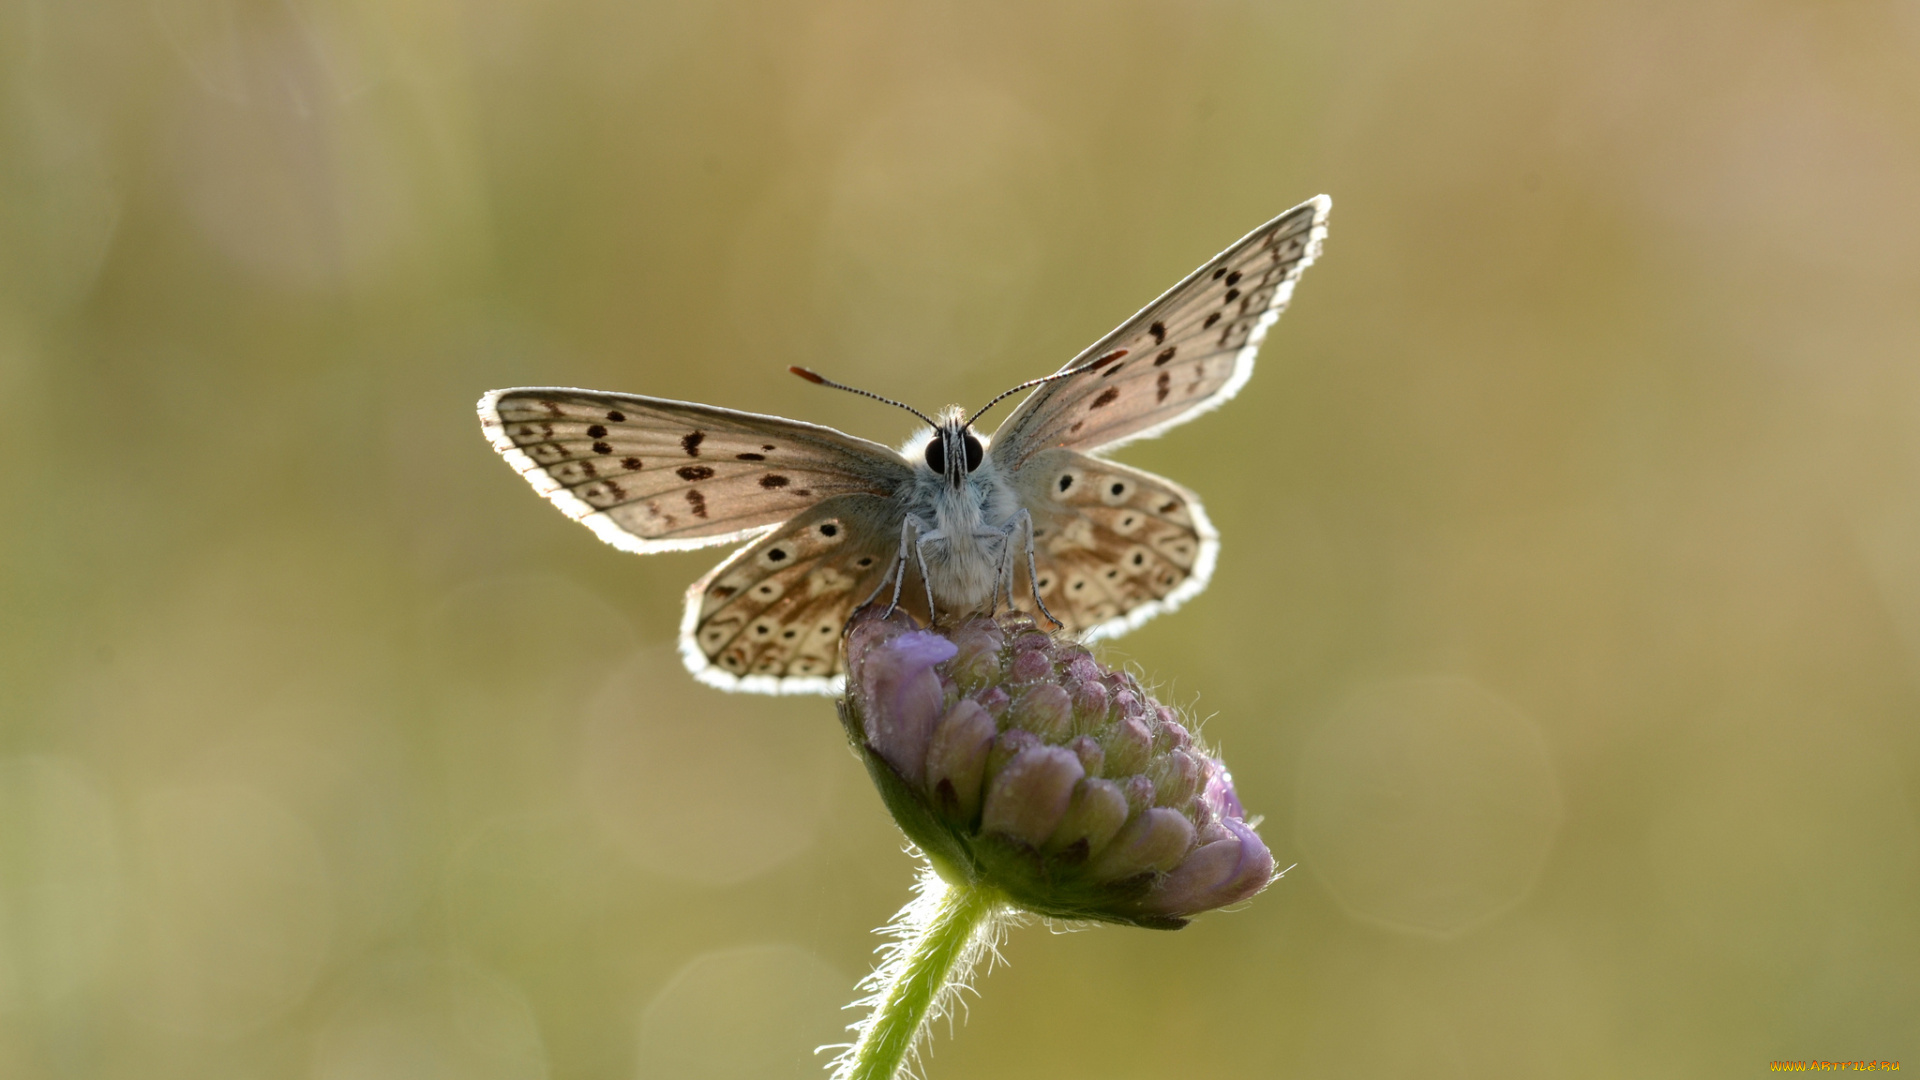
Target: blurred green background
1566,628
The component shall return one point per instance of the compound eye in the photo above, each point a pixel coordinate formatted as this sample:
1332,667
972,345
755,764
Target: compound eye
974,452
937,454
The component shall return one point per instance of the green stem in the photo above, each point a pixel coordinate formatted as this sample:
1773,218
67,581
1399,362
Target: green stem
944,931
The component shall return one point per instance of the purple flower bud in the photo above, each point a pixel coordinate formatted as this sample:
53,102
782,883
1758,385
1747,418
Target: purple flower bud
1047,711
1219,793
1092,758
1155,840
994,700
1090,704
1030,665
1094,815
1129,745
1028,796
957,759
1168,733
978,658
898,677
1176,777
1013,758
1216,874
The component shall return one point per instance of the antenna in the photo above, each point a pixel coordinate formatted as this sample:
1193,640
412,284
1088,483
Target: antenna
1056,376
821,380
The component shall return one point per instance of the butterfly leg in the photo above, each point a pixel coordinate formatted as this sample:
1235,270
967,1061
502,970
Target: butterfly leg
909,540
920,556
1023,518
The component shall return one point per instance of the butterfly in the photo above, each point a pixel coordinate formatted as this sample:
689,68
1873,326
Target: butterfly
953,523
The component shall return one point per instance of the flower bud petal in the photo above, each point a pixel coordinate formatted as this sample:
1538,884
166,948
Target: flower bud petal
994,700
957,759
978,658
1030,665
1029,795
1090,704
1129,745
1139,792
1216,874
1176,777
1219,793
1092,758
903,696
1154,840
1047,711
1094,815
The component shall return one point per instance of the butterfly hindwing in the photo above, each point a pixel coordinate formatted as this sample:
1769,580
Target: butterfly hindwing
1179,356
1113,546
770,617
648,474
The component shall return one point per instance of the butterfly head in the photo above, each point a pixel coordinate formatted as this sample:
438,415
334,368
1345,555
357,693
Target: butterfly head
954,451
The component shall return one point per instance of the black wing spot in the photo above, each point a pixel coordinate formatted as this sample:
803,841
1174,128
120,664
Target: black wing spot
865,561
767,447
690,442
616,416
697,501
776,554
694,472
1139,559
597,431
751,457
591,472
1107,397
763,629
602,448
1066,481
1211,319
1232,295
829,529
1159,332
805,493
1162,387
1219,273
774,480
631,464
1233,278
1166,354
1118,489
1078,585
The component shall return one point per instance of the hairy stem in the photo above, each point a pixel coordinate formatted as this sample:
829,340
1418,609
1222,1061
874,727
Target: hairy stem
942,934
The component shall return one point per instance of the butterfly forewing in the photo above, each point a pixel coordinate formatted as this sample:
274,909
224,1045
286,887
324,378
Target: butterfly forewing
770,617
1184,353
648,474
1113,546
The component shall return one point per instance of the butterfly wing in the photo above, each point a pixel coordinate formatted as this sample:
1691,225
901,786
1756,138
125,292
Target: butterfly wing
1113,546
648,474
1183,354
769,619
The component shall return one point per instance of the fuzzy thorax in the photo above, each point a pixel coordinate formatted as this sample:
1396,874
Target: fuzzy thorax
962,521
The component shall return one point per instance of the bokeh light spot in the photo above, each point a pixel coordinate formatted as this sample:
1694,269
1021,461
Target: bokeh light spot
1427,805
